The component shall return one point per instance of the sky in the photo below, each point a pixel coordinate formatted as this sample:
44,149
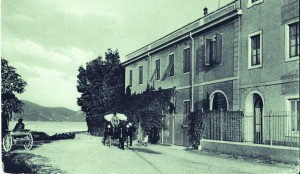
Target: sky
48,40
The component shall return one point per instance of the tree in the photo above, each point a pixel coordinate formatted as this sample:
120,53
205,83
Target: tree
11,83
147,107
101,84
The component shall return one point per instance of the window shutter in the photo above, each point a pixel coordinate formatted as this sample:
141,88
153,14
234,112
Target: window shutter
207,52
200,58
189,57
183,61
171,65
218,48
130,78
213,51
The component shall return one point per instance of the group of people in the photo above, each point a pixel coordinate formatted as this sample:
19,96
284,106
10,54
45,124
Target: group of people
119,130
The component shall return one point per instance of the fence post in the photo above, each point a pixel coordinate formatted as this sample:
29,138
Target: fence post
221,126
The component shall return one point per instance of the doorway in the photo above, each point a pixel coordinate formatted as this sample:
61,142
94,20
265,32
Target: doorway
254,108
257,118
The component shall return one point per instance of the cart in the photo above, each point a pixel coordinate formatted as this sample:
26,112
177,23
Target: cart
112,127
17,138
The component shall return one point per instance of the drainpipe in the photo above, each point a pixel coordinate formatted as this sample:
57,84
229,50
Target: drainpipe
192,72
149,68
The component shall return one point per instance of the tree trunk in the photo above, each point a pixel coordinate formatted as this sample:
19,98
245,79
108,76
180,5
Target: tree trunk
4,123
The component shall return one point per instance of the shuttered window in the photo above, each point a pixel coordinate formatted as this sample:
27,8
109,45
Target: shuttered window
208,52
130,78
141,75
200,58
171,64
218,49
213,50
186,60
157,66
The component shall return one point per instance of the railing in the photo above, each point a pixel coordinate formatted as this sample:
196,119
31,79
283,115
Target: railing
269,128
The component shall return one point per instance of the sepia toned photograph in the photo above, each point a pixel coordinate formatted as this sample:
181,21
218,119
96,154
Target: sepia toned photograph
150,86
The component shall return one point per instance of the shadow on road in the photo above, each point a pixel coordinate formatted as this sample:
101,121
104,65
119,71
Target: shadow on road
20,163
144,150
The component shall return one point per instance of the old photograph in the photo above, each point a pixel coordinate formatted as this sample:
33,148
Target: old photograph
150,86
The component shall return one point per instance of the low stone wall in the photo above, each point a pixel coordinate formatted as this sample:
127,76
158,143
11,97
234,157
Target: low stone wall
274,153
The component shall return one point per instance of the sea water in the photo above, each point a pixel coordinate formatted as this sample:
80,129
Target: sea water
52,128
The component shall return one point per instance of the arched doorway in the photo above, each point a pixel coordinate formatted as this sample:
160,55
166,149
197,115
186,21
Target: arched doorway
254,108
218,101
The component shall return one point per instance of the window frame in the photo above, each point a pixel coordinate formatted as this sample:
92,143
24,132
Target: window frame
287,41
289,131
173,65
251,4
157,69
184,61
250,36
141,74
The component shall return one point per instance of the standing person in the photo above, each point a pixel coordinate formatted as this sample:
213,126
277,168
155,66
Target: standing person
20,126
131,130
115,125
121,136
156,134
107,131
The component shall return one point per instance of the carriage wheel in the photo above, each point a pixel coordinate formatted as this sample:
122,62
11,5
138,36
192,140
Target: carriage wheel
28,145
7,142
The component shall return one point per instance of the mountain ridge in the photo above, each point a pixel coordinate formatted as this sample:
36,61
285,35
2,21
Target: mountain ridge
36,112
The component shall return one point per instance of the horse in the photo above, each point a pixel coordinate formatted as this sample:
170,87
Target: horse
111,132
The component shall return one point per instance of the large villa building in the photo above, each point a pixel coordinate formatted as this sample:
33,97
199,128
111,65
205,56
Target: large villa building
242,57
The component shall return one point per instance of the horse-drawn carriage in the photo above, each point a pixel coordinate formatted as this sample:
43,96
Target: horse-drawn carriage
19,138
116,129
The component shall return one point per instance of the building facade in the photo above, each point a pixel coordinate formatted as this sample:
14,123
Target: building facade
269,69
243,56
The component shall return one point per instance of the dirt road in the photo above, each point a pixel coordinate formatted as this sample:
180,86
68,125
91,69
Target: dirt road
86,154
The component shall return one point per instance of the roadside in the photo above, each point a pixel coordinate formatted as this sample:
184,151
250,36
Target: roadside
86,154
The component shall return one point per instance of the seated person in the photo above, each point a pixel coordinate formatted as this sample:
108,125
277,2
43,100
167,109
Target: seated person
19,126
115,120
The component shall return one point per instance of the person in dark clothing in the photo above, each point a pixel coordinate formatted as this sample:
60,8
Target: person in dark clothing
130,131
107,131
121,136
154,135
19,126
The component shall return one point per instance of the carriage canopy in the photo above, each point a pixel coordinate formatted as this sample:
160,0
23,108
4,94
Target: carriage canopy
120,116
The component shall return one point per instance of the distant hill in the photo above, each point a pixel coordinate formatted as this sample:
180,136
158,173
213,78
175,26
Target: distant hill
35,112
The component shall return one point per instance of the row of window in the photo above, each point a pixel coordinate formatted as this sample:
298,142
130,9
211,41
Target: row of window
255,45
170,69
213,53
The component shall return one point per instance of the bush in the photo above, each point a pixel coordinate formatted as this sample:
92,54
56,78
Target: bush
196,128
